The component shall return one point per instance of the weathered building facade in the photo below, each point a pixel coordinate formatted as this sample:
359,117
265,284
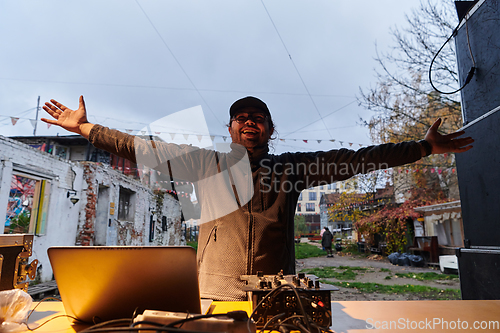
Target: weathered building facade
66,203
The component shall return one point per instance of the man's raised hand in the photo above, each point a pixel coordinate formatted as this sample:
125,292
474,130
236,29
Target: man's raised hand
72,120
448,143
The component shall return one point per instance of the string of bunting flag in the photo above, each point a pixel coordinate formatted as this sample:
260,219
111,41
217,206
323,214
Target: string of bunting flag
14,120
224,138
200,137
437,170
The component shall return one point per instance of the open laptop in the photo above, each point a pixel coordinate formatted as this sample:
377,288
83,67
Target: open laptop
99,283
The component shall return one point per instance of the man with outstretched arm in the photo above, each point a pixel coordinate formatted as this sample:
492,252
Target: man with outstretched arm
248,196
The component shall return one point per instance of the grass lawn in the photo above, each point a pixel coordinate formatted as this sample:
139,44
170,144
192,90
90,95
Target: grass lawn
341,272
301,250
307,250
427,276
193,244
422,291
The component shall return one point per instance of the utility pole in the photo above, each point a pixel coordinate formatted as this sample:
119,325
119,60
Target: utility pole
36,118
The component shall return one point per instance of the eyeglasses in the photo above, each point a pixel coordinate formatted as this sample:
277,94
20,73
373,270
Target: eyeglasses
255,117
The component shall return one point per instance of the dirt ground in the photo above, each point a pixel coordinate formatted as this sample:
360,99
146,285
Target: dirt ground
374,263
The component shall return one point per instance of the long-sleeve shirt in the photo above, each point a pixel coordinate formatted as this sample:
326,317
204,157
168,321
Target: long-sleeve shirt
248,200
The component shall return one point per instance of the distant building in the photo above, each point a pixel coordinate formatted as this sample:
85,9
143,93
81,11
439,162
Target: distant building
308,204
380,198
77,148
444,221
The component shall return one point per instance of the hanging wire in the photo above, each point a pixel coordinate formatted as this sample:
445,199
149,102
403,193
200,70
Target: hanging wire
337,110
296,69
472,69
178,63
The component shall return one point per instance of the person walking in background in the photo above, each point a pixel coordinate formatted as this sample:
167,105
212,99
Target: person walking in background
321,235
326,242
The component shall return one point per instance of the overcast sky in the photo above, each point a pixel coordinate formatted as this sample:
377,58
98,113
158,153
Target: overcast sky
138,61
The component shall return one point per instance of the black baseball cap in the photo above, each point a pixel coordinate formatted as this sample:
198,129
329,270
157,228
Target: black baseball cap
247,102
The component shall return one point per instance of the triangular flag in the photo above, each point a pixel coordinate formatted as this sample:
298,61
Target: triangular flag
224,138
212,137
48,125
424,170
341,143
439,171
453,170
319,141
172,135
158,133
129,130
432,170
14,120
33,122
186,136
360,145
350,144
200,137
282,140
332,140
305,141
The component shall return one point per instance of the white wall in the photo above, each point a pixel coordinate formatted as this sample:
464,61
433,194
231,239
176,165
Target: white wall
62,214
68,224
145,203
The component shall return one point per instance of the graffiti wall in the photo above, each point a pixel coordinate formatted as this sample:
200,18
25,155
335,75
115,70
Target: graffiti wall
20,205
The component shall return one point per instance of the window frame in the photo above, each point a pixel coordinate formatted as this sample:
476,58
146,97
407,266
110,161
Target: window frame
39,212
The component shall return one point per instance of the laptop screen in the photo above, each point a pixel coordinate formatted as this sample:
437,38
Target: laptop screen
99,283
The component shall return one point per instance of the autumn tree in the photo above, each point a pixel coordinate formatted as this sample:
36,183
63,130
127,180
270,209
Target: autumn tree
359,198
393,222
300,225
403,94
405,105
349,207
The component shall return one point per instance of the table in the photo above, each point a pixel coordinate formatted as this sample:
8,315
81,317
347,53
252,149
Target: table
351,316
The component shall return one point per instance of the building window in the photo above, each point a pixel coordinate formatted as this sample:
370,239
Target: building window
321,187
126,205
310,207
300,196
312,196
62,152
299,207
28,205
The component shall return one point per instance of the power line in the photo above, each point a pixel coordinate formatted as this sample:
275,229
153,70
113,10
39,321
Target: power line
177,61
296,69
337,110
26,111
318,130
176,88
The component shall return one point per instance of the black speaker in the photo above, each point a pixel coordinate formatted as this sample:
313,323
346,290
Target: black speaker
478,45
478,177
479,270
